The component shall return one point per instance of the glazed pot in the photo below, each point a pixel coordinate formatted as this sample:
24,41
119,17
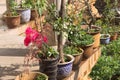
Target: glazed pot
64,69
49,67
105,39
25,15
88,50
78,58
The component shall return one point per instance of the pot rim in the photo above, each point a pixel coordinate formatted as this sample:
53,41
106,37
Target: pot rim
12,16
22,9
53,59
79,53
17,77
95,27
71,61
108,36
90,44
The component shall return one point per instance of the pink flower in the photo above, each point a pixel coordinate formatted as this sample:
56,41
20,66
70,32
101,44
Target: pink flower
45,39
28,30
34,37
27,41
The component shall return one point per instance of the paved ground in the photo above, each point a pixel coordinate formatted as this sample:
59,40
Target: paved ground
12,53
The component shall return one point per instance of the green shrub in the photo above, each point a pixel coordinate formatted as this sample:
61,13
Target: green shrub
112,48
108,64
106,67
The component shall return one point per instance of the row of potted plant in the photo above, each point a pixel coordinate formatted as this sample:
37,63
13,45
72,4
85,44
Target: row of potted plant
55,63
79,43
24,12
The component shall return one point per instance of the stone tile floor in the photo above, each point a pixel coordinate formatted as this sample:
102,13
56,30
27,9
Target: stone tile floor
12,53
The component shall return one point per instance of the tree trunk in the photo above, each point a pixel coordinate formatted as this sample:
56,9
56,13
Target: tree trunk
90,13
60,41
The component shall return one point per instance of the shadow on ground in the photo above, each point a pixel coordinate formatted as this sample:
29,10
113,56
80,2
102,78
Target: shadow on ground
13,52
9,70
12,70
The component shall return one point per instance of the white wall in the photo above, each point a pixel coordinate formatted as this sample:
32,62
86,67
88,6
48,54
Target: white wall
2,6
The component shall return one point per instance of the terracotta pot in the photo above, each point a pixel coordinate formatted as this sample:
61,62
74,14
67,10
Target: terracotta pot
88,50
25,15
96,35
64,69
49,67
30,76
113,37
78,58
12,21
34,14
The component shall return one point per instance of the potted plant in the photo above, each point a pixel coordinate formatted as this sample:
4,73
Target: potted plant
12,18
104,38
76,52
59,26
89,20
39,49
81,39
32,76
24,10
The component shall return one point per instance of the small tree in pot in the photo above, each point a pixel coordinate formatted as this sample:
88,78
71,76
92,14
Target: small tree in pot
58,21
90,20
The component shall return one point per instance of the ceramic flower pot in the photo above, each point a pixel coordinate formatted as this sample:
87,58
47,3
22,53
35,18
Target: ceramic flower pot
105,39
64,69
88,50
12,21
96,36
31,76
78,58
95,33
25,15
49,67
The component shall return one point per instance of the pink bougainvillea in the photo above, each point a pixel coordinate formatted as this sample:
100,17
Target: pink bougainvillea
33,36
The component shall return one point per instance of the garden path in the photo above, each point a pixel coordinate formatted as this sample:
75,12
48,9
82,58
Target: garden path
12,52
